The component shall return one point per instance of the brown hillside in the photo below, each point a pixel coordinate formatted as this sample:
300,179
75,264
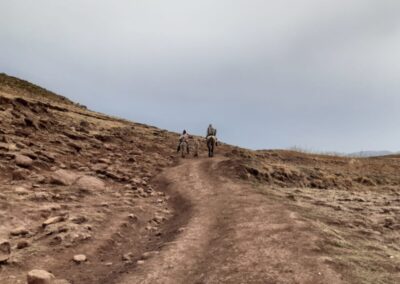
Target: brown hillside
76,182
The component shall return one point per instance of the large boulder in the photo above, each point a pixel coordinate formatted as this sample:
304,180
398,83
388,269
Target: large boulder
23,161
89,184
40,277
63,177
5,250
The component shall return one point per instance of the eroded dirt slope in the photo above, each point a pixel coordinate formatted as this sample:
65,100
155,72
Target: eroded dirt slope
75,182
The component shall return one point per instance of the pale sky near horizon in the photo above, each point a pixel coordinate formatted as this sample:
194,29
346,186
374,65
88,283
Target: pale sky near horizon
319,74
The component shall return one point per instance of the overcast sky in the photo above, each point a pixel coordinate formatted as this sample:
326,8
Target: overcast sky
319,74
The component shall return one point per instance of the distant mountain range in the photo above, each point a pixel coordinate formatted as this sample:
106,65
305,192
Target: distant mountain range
360,154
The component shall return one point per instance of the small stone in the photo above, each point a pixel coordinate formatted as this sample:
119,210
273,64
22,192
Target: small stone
41,196
12,147
20,190
140,262
23,161
159,219
149,254
133,217
89,184
40,277
20,231
79,220
127,257
53,220
63,177
79,258
23,244
5,250
20,174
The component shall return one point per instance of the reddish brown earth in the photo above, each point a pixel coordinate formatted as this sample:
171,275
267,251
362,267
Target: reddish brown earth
78,182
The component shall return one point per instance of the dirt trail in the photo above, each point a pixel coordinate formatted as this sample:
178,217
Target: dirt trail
233,235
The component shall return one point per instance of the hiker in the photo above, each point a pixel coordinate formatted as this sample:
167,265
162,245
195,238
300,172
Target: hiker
211,131
195,146
184,138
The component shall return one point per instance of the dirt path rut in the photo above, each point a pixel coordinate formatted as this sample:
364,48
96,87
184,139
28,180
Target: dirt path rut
234,235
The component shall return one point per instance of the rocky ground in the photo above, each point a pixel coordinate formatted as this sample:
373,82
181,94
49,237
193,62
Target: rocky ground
75,182
89,198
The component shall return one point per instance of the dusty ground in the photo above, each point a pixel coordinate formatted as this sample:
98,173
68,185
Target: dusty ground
78,182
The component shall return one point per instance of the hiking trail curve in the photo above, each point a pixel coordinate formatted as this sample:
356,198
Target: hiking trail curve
233,234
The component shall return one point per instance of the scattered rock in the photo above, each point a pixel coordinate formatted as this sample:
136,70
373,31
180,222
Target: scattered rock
63,177
40,277
159,219
388,223
4,146
8,147
127,257
84,124
79,219
29,122
104,161
23,161
41,196
75,146
149,254
133,217
23,244
89,184
5,251
20,231
20,190
79,258
53,220
291,196
20,174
